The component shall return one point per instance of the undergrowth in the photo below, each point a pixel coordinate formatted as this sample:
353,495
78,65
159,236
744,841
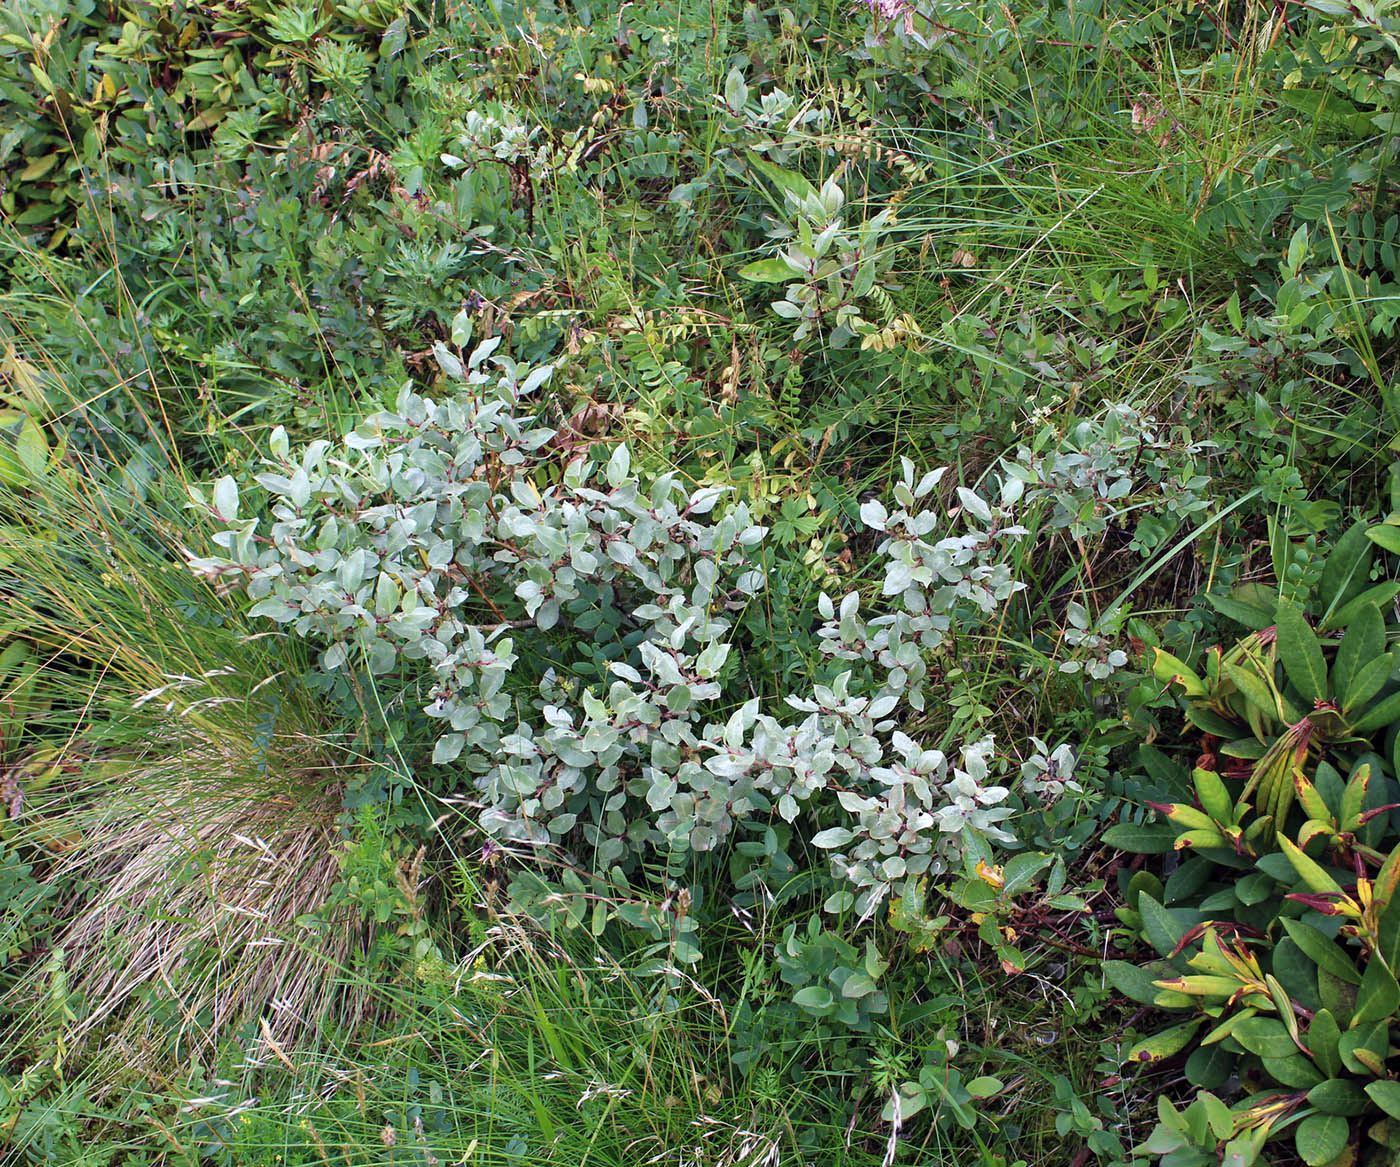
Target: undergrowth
699,584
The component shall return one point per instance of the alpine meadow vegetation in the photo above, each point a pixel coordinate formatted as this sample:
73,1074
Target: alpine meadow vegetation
702,584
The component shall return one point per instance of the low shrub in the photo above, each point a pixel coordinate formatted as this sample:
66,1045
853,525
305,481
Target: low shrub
1279,930
450,538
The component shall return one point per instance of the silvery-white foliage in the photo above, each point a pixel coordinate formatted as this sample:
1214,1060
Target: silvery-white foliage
1047,774
1116,468
1101,469
1099,660
425,536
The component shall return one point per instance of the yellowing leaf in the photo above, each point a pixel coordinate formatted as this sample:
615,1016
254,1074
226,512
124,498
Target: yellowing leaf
38,168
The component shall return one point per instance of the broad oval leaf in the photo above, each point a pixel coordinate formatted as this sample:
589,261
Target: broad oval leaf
766,271
816,997
1386,1095
1320,1138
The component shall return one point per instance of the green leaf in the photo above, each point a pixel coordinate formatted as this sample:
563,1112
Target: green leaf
386,595
1337,1096
1209,1067
1250,748
1363,642
1021,870
858,984
1277,865
1166,1043
1253,618
1162,1141
1133,981
1385,536
1298,250
1162,769
1169,670
1347,570
1161,929
1309,871
767,271
618,465
736,92
1255,888
1211,722
1266,1036
1381,595
1141,838
1280,550
1295,1071
1338,996
33,448
1386,1095
912,1099
1324,1038
1387,880
1321,951
1330,785
1296,972
1301,652
985,1087
1354,796
787,181
1320,107
1362,1047
1388,928
815,997
1383,714
1244,1149
1378,995
1320,1138
1368,681
1214,798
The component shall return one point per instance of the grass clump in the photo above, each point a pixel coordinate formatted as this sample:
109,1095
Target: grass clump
187,811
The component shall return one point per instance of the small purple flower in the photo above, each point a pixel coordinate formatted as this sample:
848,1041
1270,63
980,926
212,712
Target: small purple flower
890,9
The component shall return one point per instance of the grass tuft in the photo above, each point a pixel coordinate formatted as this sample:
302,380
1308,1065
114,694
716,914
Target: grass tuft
205,895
